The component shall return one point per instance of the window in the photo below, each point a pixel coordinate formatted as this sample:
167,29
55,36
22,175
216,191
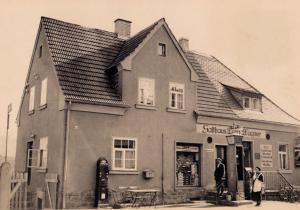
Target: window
146,91
44,92
41,51
255,104
176,96
31,98
43,153
162,49
37,158
187,165
283,156
246,102
124,154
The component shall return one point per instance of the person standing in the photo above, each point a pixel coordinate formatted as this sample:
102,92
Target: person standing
258,183
219,176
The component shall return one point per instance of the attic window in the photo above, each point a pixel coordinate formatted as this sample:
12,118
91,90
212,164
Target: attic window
246,102
41,51
162,49
252,103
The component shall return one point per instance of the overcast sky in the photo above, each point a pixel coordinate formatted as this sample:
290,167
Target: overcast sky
257,39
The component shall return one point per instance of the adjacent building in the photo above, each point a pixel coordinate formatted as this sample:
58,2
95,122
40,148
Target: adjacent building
146,103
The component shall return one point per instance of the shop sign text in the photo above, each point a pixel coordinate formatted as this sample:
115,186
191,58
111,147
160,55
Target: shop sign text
227,130
266,158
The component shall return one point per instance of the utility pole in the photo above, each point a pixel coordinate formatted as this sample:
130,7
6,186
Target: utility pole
9,108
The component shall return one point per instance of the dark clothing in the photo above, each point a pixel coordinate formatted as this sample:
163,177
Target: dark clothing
219,174
257,197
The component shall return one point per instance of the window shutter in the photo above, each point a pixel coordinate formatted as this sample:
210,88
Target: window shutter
31,98
32,158
44,92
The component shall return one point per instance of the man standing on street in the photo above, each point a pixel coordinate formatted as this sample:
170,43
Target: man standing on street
219,175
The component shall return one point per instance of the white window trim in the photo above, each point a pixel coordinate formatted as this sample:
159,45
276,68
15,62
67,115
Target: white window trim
113,153
170,96
45,150
31,98
250,102
138,99
159,44
287,157
44,88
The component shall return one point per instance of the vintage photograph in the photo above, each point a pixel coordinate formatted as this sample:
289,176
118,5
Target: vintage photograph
149,104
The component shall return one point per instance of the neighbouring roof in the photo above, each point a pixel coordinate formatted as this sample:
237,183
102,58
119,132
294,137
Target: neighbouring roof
215,95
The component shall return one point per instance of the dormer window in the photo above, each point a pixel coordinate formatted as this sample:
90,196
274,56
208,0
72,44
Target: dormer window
246,102
162,49
252,103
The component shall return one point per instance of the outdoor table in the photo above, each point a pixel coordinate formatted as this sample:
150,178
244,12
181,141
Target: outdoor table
147,195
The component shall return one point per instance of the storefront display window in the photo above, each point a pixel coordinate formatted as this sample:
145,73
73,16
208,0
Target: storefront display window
187,165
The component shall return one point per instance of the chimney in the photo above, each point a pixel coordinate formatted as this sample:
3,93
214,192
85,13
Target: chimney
184,44
122,28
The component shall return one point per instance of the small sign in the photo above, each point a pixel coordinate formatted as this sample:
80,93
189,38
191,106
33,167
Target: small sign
266,156
187,148
227,130
51,177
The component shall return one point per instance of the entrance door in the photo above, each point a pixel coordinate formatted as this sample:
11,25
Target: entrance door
221,152
248,161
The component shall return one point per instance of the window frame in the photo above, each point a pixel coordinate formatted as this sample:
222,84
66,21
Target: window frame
31,98
280,154
44,90
162,49
139,93
123,154
176,97
43,152
244,99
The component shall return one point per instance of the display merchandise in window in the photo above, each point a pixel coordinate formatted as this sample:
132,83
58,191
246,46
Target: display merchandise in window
187,166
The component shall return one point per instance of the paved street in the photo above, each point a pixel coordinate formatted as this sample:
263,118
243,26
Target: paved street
266,205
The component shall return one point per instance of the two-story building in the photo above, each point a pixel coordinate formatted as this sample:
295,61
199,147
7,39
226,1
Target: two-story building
145,103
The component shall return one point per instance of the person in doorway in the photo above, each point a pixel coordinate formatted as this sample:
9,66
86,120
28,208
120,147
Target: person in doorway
219,177
258,183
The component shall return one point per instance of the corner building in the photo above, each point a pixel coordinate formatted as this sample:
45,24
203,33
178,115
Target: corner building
145,103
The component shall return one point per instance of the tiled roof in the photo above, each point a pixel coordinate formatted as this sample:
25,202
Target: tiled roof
81,56
209,101
222,77
132,43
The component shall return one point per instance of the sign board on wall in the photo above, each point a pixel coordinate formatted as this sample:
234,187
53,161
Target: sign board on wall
266,157
227,130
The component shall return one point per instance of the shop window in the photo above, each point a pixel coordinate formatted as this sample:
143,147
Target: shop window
31,98
146,92
176,96
44,92
124,154
283,157
187,165
162,49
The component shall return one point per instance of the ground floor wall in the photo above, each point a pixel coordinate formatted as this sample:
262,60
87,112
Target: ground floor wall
158,151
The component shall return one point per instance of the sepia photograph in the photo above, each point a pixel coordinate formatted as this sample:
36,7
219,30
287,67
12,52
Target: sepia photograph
139,104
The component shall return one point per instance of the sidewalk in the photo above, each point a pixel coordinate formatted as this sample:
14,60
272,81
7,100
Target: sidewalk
266,205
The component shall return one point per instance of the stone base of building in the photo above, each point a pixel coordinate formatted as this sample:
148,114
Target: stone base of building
86,199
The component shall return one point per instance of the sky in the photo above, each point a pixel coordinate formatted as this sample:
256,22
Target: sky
258,39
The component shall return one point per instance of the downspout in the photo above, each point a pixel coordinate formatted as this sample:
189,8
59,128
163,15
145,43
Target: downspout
66,149
162,169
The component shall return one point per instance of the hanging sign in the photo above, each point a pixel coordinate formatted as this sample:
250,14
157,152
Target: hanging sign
227,130
266,158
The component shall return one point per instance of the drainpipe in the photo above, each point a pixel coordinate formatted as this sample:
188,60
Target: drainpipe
66,149
162,169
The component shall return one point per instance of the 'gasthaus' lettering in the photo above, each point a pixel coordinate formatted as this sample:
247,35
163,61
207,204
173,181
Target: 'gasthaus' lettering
227,130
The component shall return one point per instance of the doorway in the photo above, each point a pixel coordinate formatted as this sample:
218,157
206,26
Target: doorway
221,152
